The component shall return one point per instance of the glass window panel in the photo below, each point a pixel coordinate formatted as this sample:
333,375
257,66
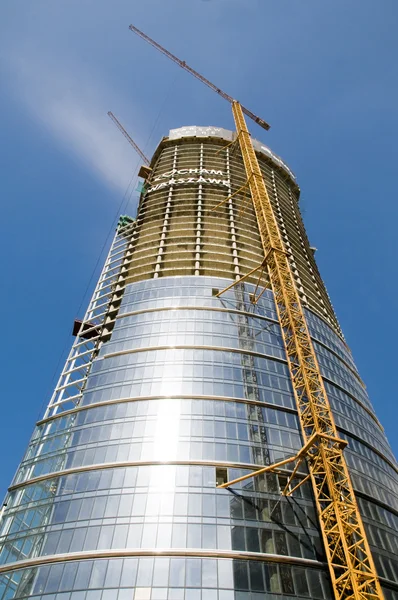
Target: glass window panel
209,536
51,543
238,538
294,544
194,504
280,543
129,572
256,576
327,589
194,536
273,579
267,541
307,547
60,512
224,537
286,579
300,580
65,539
223,505
99,507
145,571
225,573
120,536
181,504
86,508
252,540
236,508
193,572
179,536
250,508
288,513
149,535
241,580
209,505
177,572
314,584
113,573
53,578
68,577
77,542
105,537
83,575
134,536
275,508
112,506
161,572
91,541
41,577
164,532
106,595
209,573
98,574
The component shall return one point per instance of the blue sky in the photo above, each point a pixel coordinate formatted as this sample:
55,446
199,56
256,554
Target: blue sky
322,73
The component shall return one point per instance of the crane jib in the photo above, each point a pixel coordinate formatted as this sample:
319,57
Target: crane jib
184,65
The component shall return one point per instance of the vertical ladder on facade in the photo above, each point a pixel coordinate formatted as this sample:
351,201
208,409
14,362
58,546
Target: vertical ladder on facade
99,319
352,570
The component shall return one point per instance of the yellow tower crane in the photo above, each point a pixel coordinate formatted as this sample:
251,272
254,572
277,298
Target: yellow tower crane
352,570
145,169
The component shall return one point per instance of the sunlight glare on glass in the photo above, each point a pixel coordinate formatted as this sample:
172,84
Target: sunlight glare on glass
167,429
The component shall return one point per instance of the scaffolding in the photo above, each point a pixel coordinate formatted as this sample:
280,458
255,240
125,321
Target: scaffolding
97,324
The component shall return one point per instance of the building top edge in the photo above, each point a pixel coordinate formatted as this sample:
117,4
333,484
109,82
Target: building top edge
226,134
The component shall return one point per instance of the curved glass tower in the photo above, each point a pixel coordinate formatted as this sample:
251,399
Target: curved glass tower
169,390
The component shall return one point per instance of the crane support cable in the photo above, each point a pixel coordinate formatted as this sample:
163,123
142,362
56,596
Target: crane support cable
213,87
349,557
129,138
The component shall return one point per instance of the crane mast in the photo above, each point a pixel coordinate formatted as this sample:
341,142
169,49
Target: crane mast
351,566
349,557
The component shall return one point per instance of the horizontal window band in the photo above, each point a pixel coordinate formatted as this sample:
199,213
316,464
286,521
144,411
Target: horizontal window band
348,366
356,400
389,583
205,398
168,397
158,553
143,463
205,308
216,463
372,448
237,351
331,327
241,400
239,312
374,500
194,347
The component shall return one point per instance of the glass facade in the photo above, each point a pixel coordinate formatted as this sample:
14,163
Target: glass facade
116,498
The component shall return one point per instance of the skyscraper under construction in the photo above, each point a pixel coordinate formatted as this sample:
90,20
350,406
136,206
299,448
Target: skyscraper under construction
174,386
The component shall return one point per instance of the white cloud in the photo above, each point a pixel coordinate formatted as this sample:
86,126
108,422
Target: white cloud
74,108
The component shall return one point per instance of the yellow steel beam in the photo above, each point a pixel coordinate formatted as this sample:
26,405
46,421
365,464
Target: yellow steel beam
299,456
244,186
351,565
